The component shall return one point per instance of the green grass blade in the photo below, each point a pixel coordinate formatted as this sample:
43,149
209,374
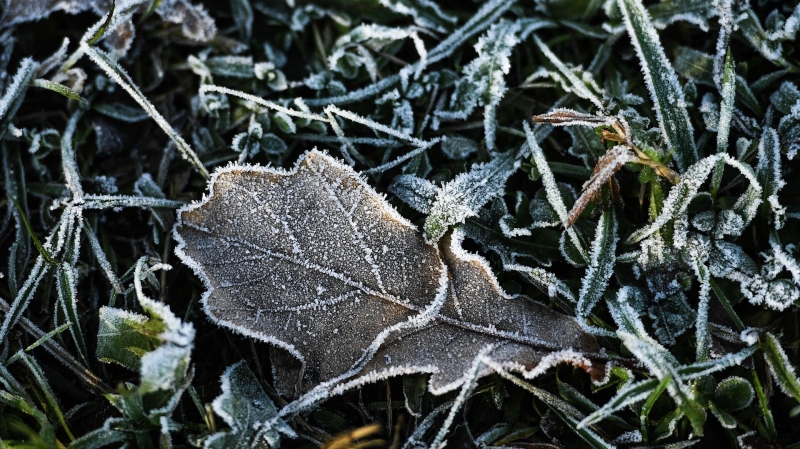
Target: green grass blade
105,24
36,242
58,88
666,92
725,117
779,365
601,266
44,385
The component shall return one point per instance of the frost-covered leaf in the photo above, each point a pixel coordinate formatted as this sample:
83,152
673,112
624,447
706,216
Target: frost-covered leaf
418,193
468,192
458,147
195,22
734,393
786,97
769,42
769,285
124,337
247,409
672,316
314,261
665,91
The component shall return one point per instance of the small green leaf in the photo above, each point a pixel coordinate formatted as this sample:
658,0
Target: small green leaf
123,337
726,419
734,393
251,414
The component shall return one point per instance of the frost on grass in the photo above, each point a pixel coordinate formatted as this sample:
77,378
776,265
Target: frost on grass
769,173
483,82
601,265
314,261
665,91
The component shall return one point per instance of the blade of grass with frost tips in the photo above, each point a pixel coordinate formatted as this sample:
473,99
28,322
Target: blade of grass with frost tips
15,92
579,88
115,71
661,363
569,414
66,283
628,395
725,116
782,370
601,266
666,92
551,189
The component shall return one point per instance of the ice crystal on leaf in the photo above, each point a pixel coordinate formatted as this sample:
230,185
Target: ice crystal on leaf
314,261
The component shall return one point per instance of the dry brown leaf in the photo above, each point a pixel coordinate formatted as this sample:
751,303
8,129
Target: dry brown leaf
314,261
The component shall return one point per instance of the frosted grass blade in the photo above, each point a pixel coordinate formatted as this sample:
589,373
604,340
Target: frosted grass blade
666,92
553,194
115,71
782,370
725,117
600,270
579,87
58,88
15,92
